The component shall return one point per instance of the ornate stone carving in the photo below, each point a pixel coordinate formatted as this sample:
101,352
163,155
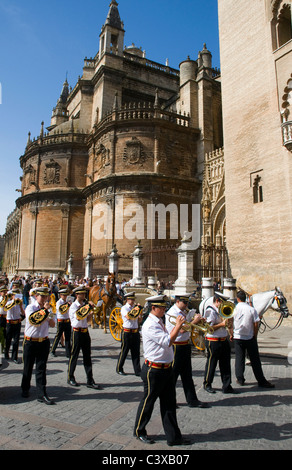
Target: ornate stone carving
52,173
133,152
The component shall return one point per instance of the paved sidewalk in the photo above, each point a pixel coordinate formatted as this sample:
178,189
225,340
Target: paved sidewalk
85,419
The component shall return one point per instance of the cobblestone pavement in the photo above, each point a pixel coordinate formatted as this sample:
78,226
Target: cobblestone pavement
86,419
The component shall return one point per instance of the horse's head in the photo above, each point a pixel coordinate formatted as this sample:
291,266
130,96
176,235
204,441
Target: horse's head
280,303
111,281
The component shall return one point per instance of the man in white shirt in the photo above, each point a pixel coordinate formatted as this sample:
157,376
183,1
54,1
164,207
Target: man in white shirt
63,322
14,317
79,313
157,374
130,339
218,348
182,364
245,330
36,344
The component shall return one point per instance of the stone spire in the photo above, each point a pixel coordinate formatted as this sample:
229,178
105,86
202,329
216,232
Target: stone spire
113,18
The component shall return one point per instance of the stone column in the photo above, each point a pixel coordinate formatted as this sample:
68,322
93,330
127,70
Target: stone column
207,287
229,288
185,282
137,256
88,265
114,260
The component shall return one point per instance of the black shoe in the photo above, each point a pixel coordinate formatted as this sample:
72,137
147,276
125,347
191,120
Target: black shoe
45,399
53,354
180,442
229,390
266,384
198,404
93,385
121,372
73,383
209,389
240,382
25,393
146,439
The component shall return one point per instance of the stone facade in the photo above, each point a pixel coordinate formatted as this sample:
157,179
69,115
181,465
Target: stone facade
131,133
256,58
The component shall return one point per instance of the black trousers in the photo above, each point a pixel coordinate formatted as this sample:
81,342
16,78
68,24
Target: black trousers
158,383
250,346
12,334
63,327
130,342
218,352
35,352
182,366
80,340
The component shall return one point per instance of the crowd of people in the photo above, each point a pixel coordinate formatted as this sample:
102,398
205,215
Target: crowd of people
165,333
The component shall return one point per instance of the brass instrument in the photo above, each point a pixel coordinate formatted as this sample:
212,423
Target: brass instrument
3,301
83,311
226,311
201,326
64,308
53,303
38,317
8,306
135,312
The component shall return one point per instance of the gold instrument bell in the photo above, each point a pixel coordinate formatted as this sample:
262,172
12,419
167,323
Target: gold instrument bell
226,309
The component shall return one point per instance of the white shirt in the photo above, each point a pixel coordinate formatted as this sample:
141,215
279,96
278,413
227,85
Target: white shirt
59,315
156,341
32,331
14,313
75,323
175,311
213,318
244,318
133,324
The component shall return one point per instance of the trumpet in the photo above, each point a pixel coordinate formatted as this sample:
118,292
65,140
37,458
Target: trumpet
201,326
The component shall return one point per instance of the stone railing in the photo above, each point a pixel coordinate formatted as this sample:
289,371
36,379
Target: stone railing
144,111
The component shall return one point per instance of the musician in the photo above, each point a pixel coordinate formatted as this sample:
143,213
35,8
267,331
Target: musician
36,344
246,324
157,374
182,364
130,338
63,322
218,348
3,313
14,317
80,312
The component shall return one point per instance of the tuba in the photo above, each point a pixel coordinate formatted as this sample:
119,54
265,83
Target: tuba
226,310
135,312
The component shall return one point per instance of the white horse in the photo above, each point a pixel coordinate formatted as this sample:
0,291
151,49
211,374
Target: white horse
261,301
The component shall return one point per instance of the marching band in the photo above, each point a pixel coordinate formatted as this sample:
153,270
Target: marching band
165,336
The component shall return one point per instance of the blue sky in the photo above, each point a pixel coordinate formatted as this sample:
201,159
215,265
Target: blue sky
41,42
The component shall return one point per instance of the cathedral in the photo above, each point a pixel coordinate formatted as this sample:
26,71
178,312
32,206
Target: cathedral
132,146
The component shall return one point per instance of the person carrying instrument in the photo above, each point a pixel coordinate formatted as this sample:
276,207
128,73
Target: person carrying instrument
79,313
63,322
36,344
157,374
14,317
246,323
218,348
182,364
130,339
3,313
